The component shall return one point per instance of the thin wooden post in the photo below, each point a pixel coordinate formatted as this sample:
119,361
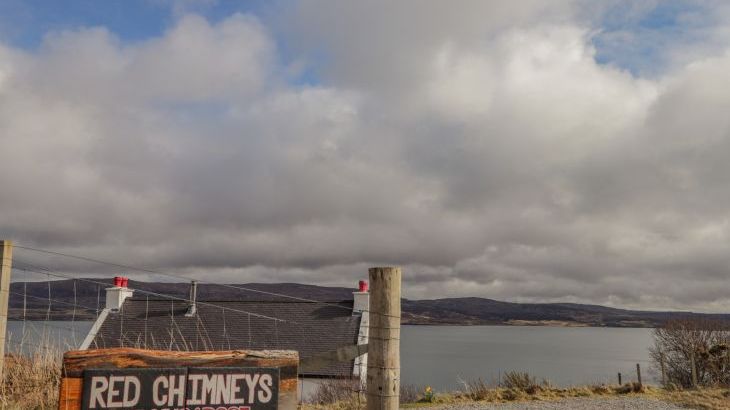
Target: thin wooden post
638,374
383,370
694,368
619,379
6,262
663,368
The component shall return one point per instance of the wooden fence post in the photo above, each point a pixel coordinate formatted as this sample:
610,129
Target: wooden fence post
638,374
6,261
664,369
619,379
383,370
694,368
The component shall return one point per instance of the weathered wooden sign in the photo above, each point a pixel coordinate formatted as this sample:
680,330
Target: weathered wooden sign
135,379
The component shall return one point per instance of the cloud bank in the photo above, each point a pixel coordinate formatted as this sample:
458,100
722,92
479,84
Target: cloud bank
483,148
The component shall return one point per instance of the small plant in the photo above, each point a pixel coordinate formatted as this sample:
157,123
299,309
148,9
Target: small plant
428,394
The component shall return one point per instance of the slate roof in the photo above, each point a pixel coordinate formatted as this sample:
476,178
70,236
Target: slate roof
309,328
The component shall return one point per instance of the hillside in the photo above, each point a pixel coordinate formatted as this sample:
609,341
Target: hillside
450,311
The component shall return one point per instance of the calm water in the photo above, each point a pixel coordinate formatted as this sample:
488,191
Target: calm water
442,355
60,335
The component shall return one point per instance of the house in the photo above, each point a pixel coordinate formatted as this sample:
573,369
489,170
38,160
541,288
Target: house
311,328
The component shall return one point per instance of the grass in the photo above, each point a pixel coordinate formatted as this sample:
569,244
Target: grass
31,382
520,387
710,399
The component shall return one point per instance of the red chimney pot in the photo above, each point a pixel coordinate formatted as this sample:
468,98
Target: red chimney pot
125,282
363,285
118,281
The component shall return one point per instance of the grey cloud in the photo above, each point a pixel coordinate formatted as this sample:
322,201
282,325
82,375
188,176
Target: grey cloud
481,147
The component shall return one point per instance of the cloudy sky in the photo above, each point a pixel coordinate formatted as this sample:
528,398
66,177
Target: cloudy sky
533,150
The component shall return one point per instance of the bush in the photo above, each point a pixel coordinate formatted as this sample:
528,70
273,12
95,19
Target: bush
521,381
680,341
632,387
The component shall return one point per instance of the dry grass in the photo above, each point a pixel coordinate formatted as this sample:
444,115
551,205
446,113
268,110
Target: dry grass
31,382
514,387
710,399
332,391
342,394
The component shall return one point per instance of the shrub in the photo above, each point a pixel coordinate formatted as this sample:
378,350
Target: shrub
520,381
627,388
678,342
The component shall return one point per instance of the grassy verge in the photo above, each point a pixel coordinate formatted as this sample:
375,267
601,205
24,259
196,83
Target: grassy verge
32,383
708,399
520,387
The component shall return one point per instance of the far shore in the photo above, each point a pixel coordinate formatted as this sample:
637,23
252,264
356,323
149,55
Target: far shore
85,317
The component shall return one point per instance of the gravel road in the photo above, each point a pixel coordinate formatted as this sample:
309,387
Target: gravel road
588,403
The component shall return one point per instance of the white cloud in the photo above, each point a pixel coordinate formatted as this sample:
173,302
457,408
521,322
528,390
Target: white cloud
482,148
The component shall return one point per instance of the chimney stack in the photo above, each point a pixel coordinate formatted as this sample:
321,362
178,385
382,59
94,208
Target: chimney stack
116,295
361,298
192,309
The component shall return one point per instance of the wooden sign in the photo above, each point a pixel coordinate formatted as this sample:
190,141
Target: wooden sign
135,379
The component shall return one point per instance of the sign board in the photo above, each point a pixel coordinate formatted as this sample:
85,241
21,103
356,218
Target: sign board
135,379
194,388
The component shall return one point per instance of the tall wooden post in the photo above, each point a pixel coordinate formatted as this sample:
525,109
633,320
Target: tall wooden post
383,371
6,262
638,374
619,379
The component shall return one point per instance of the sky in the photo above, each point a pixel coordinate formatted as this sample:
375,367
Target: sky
533,151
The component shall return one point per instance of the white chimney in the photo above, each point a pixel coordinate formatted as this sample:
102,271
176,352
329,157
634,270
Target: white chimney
116,295
193,308
361,298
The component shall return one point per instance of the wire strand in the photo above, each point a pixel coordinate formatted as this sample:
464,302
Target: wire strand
60,275
178,276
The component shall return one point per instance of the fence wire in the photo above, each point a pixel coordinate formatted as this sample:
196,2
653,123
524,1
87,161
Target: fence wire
42,314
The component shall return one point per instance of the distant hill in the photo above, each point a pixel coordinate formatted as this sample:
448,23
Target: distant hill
90,295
